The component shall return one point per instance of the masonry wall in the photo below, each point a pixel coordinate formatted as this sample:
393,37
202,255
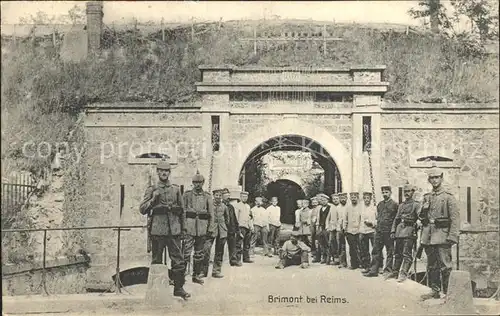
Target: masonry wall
471,140
113,140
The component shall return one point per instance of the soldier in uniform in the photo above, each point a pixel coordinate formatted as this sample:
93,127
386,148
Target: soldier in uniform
404,232
341,239
246,227
219,228
233,228
164,203
322,232
351,224
386,212
199,222
331,226
440,218
314,220
294,252
367,230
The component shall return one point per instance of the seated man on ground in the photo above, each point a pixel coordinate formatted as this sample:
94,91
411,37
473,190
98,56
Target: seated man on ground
294,252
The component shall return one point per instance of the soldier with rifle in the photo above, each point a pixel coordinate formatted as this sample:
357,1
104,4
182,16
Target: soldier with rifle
440,220
164,204
404,231
199,224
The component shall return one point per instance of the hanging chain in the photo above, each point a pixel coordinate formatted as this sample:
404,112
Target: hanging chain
369,150
215,141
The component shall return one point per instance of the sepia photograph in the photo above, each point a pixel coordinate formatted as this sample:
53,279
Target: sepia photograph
250,157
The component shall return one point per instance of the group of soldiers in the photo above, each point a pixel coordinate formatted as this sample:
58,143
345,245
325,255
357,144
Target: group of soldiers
195,221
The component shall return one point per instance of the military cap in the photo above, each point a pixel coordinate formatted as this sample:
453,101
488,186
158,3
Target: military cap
314,198
323,196
335,194
198,177
368,193
408,187
386,187
244,193
354,194
225,190
435,171
295,233
217,191
342,194
163,164
258,198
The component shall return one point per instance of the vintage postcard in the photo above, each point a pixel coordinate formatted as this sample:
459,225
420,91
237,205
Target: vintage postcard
250,158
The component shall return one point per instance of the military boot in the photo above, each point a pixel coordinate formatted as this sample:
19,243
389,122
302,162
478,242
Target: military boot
403,274
428,296
445,279
198,279
179,290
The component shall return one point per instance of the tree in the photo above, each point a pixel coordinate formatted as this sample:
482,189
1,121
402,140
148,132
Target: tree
482,15
75,15
434,10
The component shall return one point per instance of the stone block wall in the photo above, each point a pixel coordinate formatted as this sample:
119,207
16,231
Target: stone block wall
113,140
471,140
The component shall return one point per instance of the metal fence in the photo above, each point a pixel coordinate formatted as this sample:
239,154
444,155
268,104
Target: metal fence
118,229
16,190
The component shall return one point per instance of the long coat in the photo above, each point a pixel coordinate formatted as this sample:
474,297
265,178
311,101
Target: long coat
199,210
232,219
303,221
167,210
406,219
440,204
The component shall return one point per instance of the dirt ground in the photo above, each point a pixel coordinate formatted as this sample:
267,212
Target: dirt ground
319,290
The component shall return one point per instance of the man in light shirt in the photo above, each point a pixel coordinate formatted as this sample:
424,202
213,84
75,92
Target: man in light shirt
331,226
367,230
341,237
294,252
246,228
314,219
303,222
274,217
260,225
351,227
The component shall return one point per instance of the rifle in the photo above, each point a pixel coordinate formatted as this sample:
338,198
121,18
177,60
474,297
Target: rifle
150,221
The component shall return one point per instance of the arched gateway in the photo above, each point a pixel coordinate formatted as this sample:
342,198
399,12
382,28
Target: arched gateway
293,126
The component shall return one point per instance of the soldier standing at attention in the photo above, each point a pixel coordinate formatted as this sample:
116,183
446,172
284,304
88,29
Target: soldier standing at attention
260,225
199,222
233,228
314,220
440,218
221,217
404,232
386,212
164,203
303,221
367,230
322,232
246,227
351,226
342,209
331,226
274,213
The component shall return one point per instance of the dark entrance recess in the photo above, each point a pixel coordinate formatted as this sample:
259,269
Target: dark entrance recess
287,192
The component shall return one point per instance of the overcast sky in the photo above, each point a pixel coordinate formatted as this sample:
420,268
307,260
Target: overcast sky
125,11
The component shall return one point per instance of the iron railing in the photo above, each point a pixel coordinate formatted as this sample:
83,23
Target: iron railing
118,229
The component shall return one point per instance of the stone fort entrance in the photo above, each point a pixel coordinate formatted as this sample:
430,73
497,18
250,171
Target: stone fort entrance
335,114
